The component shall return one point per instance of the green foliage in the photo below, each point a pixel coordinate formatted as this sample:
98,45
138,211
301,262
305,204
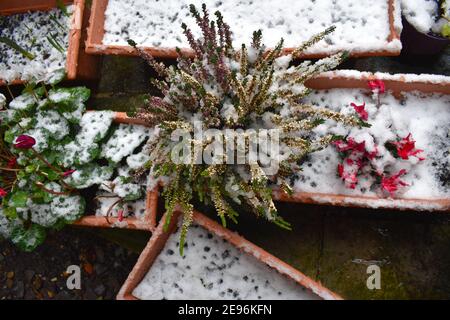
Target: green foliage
42,184
28,239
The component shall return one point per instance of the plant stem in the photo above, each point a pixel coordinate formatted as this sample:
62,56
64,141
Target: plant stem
41,186
7,169
10,92
110,209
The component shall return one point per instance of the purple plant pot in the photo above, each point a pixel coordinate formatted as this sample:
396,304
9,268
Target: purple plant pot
418,43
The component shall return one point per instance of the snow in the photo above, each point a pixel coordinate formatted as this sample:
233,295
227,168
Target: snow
427,117
406,77
125,139
135,161
22,102
7,226
213,269
158,23
30,31
2,101
94,127
422,14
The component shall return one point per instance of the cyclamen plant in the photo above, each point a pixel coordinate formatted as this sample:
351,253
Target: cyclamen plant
224,88
359,159
50,150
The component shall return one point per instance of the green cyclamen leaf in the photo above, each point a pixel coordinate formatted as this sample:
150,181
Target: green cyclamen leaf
19,199
10,213
28,239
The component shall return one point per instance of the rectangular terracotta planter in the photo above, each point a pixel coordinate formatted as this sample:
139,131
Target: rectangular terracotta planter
94,44
159,238
397,83
147,222
79,65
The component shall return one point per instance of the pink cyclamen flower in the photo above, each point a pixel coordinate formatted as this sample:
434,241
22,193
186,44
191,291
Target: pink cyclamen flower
350,145
24,142
361,111
377,86
3,193
406,148
67,173
393,183
356,157
120,215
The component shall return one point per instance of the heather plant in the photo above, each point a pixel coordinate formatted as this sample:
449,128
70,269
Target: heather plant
219,87
50,150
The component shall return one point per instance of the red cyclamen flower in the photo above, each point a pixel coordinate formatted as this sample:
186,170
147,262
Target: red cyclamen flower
3,192
377,86
24,142
393,183
67,173
120,215
354,161
361,110
12,163
406,147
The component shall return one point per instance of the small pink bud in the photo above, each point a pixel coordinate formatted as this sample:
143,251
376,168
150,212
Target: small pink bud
68,173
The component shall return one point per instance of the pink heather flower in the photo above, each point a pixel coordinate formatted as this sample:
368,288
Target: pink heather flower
120,215
406,148
3,193
24,142
377,86
393,183
68,173
361,111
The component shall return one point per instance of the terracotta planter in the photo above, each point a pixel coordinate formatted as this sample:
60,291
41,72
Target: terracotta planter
94,44
159,238
397,84
147,222
79,65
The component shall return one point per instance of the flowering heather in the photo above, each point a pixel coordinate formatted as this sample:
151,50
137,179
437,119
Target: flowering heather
224,88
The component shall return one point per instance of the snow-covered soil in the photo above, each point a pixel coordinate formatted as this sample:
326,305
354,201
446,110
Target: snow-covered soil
158,23
31,31
213,269
426,117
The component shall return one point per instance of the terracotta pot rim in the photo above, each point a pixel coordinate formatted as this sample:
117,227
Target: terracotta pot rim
94,43
145,223
159,238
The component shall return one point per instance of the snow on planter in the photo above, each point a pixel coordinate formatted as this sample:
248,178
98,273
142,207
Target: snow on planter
44,35
156,24
213,269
